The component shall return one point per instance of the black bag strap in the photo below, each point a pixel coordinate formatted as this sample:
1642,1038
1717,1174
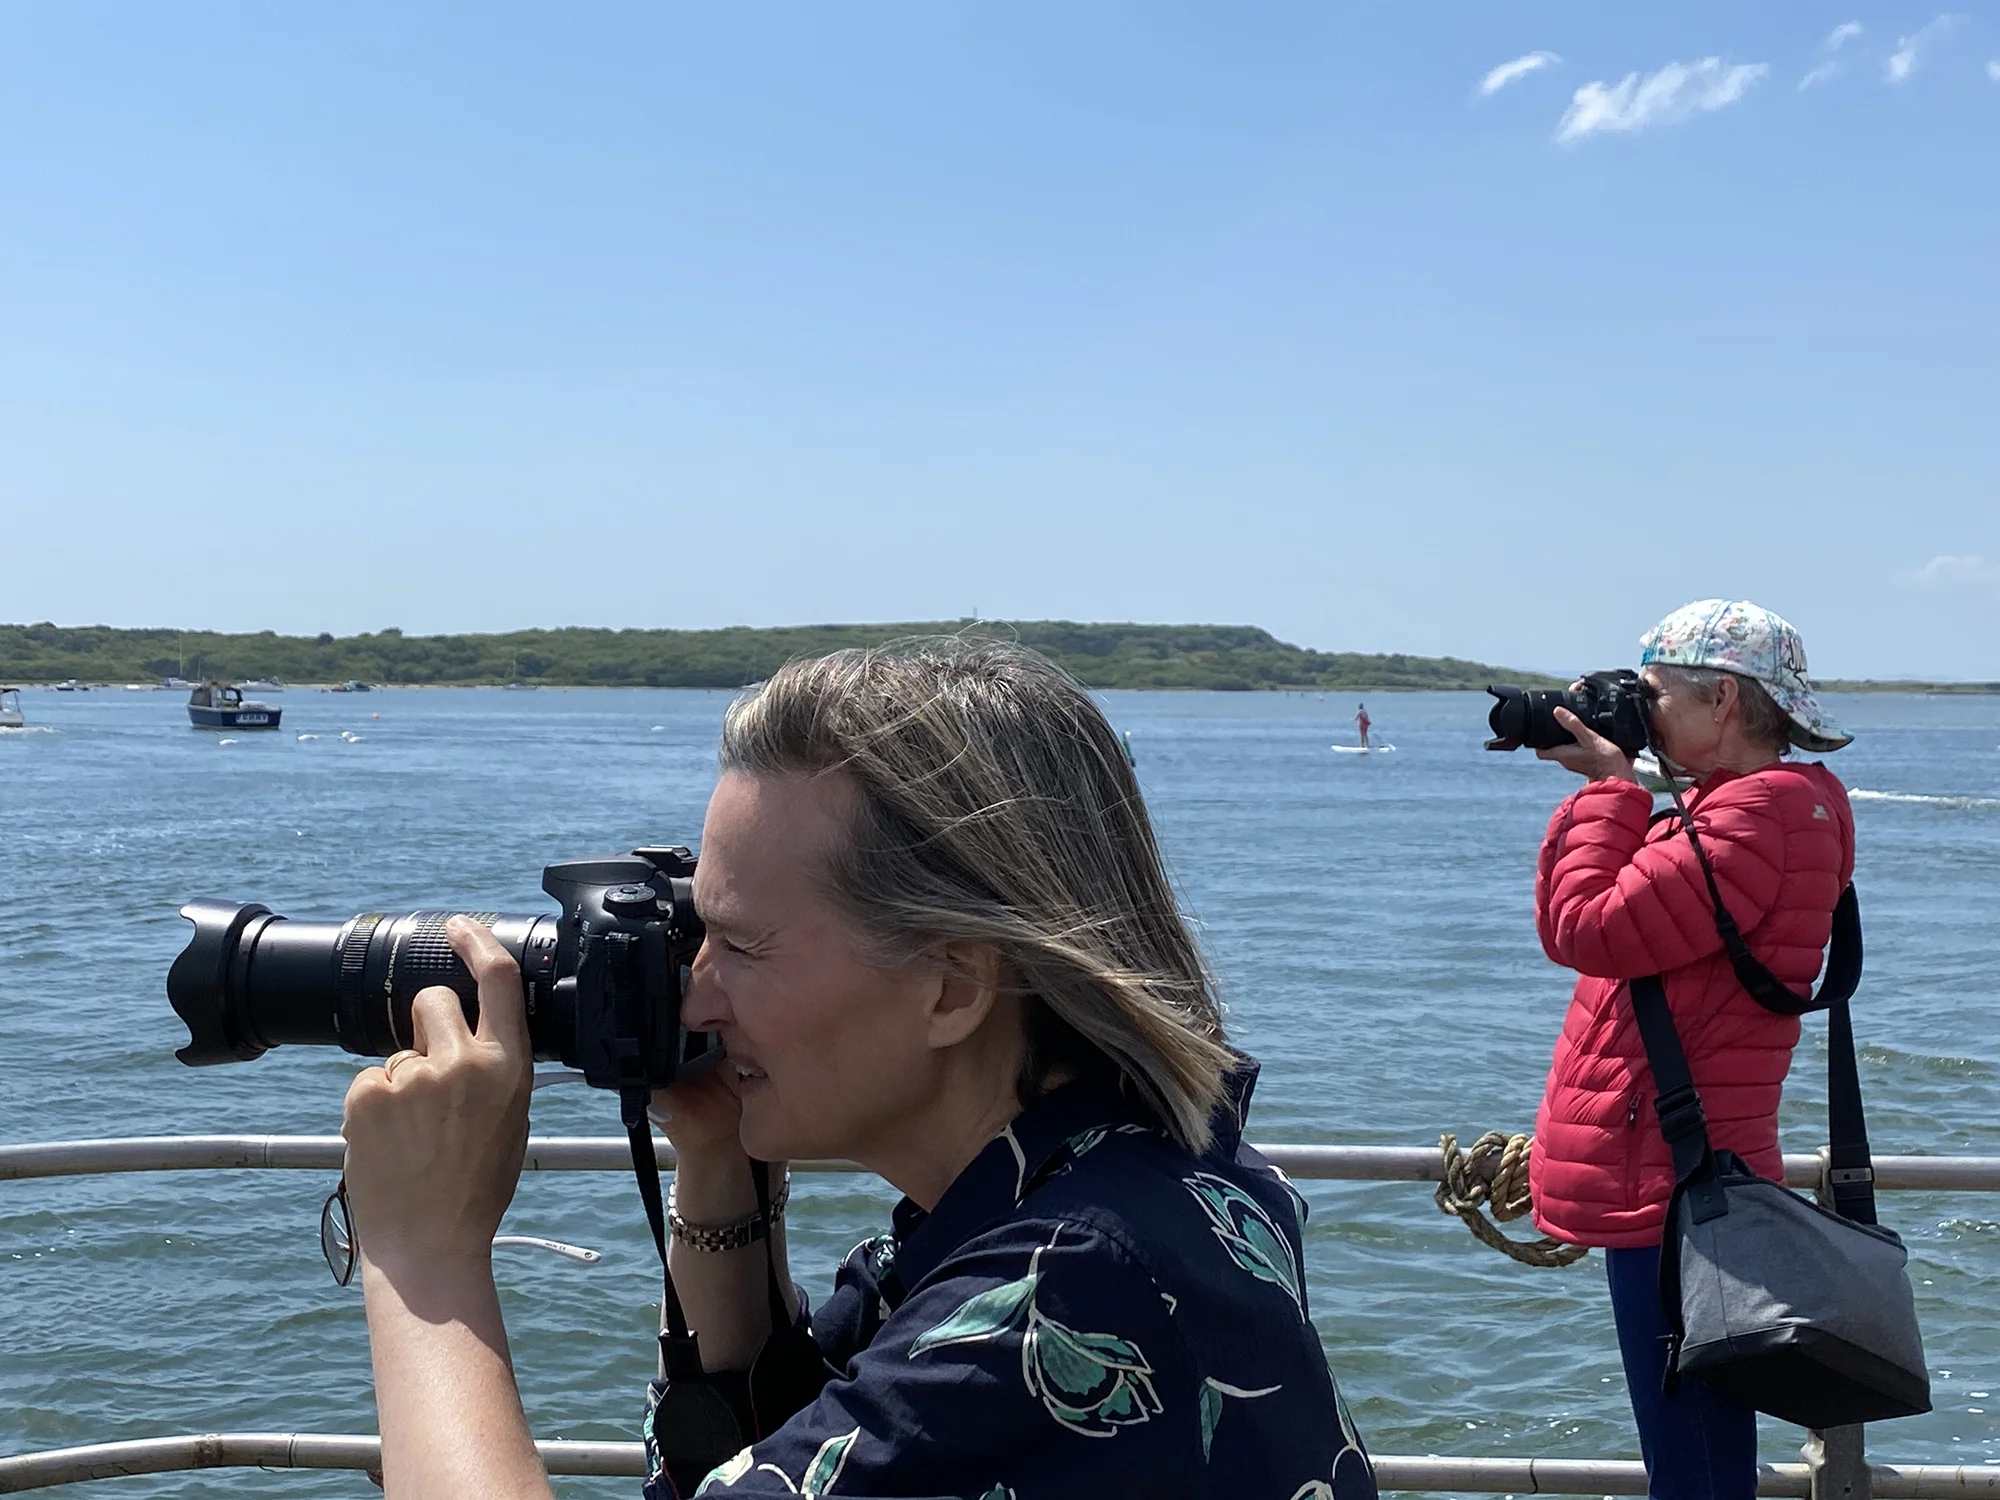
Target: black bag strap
1850,1172
1676,1102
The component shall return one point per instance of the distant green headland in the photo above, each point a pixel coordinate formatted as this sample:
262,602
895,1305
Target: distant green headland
1228,658
1899,685
1222,657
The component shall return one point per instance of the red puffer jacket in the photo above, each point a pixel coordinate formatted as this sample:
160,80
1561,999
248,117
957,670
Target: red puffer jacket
1615,900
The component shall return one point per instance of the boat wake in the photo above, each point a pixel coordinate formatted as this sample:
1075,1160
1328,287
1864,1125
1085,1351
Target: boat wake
1922,799
27,729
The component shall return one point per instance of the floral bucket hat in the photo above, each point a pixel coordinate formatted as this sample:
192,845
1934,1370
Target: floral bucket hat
1734,635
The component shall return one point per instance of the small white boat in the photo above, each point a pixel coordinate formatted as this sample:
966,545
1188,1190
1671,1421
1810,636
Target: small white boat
175,682
263,685
11,716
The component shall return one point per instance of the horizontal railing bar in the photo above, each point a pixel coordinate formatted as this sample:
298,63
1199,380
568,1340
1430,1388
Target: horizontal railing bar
1546,1476
577,1153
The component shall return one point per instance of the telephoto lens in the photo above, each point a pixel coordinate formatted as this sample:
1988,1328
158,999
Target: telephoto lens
1526,717
603,979
251,980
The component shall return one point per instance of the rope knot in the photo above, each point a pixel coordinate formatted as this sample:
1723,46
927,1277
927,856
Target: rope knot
1493,1176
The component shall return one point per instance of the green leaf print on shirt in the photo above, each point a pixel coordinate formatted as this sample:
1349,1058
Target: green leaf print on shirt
1247,1233
1212,1392
827,1464
985,1316
726,1473
1092,1383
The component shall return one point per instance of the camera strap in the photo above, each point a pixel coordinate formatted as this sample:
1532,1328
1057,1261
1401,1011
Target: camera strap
680,1350
1843,967
693,1427
696,1424
1851,1174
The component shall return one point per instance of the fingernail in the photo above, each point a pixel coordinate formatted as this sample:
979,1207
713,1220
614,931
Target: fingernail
456,923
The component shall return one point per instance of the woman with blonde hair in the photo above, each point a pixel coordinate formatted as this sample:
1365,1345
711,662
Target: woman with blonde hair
939,942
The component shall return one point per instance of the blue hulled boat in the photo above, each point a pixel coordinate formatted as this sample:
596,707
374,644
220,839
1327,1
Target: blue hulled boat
221,705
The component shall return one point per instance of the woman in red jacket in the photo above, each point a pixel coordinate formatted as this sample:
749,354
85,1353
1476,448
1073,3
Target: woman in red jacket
1618,897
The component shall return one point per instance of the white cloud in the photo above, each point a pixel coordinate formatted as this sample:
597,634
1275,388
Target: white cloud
1837,38
1903,61
1676,92
1966,570
1513,72
1993,70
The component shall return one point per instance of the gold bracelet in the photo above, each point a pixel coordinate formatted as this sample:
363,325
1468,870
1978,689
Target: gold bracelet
737,1236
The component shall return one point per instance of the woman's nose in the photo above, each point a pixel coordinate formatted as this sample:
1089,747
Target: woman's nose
704,1007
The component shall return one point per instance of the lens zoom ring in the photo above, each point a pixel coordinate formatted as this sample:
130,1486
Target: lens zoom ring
423,951
354,951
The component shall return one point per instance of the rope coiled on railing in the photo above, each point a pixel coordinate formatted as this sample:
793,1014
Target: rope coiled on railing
1494,1175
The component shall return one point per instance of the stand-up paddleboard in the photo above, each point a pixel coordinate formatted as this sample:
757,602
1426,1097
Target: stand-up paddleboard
1361,749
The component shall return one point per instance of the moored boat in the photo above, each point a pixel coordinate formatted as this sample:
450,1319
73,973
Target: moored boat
221,705
11,716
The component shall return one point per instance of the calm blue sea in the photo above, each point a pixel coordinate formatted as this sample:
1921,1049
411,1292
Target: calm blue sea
1370,917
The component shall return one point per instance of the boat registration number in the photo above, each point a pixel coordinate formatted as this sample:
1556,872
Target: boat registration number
253,718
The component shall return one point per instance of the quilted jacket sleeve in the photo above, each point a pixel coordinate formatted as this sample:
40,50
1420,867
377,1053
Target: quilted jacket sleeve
1608,903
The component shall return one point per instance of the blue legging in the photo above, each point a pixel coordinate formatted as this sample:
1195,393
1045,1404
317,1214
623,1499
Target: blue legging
1697,1446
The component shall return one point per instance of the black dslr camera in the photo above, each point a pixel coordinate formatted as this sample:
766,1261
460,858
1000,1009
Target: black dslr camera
603,979
1617,705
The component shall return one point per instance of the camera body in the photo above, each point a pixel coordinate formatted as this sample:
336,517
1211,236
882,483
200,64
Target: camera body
603,979
1617,705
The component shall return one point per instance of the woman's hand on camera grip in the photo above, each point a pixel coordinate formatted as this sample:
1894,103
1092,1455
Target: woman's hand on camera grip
702,1115
1592,757
436,1137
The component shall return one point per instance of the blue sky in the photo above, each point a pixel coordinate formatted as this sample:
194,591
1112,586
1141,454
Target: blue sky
471,317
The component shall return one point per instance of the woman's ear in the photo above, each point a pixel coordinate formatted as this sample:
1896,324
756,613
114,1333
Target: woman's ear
968,986
1728,694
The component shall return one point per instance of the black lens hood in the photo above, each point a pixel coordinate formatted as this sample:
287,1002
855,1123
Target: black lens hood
198,983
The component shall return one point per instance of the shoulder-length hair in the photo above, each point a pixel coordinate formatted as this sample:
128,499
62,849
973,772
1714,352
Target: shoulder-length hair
997,806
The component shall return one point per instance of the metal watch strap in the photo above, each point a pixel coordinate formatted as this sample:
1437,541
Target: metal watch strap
737,1236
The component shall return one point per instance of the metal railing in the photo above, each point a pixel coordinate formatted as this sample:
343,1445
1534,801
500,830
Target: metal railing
580,1153
1493,1476
1835,1467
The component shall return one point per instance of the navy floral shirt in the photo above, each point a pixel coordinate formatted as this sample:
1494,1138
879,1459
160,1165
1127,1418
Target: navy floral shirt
1089,1311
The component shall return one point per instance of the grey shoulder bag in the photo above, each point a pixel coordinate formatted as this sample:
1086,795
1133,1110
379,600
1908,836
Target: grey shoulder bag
1795,1310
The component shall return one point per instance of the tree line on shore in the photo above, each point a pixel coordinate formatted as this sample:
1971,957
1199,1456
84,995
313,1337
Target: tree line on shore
1216,657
